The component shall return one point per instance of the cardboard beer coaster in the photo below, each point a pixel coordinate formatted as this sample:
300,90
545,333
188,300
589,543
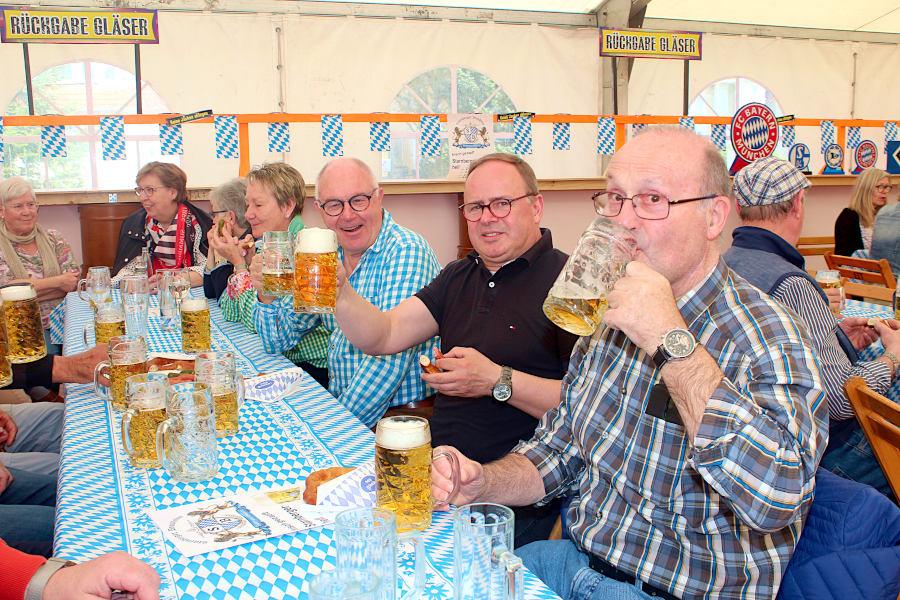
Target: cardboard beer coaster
273,387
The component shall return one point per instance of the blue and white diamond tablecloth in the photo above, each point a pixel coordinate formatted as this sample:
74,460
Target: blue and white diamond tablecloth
102,498
855,308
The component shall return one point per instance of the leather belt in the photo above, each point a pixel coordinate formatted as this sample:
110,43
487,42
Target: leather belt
607,570
424,403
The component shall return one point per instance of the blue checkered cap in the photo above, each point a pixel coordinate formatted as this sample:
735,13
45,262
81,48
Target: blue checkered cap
768,181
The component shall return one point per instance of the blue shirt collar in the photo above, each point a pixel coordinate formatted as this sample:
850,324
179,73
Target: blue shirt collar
756,238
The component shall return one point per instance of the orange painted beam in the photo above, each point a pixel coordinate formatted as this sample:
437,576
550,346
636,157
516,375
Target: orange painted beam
244,148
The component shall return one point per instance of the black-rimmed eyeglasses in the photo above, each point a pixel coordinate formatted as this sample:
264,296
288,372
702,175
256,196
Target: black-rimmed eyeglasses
652,207
359,203
499,207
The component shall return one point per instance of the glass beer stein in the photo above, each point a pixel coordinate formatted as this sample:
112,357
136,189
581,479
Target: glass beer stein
109,322
315,271
95,288
577,300
484,566
195,331
403,470
186,440
278,264
145,396
173,285
24,330
832,280
6,375
217,370
127,356
135,291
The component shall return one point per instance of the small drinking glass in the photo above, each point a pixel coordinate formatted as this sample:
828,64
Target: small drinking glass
832,280
345,584
135,291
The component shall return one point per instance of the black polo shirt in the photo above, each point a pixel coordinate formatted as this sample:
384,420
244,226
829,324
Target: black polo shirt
500,316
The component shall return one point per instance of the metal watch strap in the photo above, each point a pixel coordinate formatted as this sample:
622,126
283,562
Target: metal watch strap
35,589
894,360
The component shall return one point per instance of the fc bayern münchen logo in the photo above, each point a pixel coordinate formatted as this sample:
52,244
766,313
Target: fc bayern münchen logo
754,134
866,154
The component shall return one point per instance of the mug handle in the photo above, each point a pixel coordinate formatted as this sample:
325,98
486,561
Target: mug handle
82,287
454,473
87,343
418,543
161,434
513,572
99,388
126,426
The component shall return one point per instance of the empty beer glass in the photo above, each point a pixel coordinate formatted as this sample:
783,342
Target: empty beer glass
109,322
186,440
832,280
345,584
577,300
195,329
24,330
484,566
6,375
127,356
145,396
173,285
278,264
403,470
217,370
315,271
135,291
95,288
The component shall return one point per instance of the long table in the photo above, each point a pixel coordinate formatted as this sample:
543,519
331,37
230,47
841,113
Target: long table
867,310
102,499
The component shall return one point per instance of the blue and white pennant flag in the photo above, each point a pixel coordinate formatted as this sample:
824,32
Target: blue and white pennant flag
890,132
170,140
562,136
380,136
226,136
686,122
788,136
854,137
429,135
53,140
523,136
606,135
332,135
279,137
112,138
827,134
719,136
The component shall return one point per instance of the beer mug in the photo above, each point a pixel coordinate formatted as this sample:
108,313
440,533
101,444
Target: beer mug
95,289
186,440
217,370
24,330
6,375
832,280
145,396
403,470
315,271
172,286
278,264
577,300
345,584
135,291
127,356
484,566
109,322
195,332
366,539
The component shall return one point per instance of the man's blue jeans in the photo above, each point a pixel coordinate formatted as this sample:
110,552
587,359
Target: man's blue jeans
564,568
26,512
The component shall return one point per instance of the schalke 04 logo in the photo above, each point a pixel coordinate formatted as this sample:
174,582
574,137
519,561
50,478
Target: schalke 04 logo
754,134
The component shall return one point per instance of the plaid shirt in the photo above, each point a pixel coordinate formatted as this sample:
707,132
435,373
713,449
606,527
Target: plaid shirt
718,518
395,267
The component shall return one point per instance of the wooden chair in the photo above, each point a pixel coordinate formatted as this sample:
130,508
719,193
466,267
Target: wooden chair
880,420
815,245
875,278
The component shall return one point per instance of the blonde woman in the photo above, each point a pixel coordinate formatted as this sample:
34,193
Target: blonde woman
853,228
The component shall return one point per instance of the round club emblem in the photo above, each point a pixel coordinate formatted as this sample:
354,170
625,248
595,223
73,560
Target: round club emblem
866,154
799,156
834,156
754,131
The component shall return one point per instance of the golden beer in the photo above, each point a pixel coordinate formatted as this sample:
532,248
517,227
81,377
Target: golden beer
25,332
106,330
195,332
831,280
118,373
315,271
226,406
403,470
580,316
6,375
278,284
139,424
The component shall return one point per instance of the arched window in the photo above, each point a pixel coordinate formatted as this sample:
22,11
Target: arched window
76,88
452,89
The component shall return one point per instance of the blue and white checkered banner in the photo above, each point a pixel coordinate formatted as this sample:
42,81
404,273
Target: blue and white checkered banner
686,122
332,135
112,138
2,148
170,141
788,136
279,135
827,131
429,135
380,136
606,135
853,137
890,133
53,140
523,136
719,136
562,136
226,136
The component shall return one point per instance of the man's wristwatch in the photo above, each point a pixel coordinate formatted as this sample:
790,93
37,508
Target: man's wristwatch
676,344
502,390
35,589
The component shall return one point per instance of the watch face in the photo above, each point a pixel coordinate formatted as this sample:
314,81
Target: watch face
502,392
679,343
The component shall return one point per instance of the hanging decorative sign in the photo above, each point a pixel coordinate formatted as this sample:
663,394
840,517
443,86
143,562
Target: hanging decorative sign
226,136
854,137
834,160
112,137
380,136
279,137
788,136
893,157
120,26
471,136
799,155
194,116
719,136
429,135
754,134
606,135
501,118
826,130
866,154
170,140
641,43
332,135
53,141
890,133
562,136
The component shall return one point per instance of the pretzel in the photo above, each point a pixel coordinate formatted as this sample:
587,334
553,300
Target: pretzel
428,366
317,478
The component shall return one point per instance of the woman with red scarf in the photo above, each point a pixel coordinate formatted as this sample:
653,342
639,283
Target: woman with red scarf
173,229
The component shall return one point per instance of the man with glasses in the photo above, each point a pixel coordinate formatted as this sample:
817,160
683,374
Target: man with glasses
691,423
383,260
502,358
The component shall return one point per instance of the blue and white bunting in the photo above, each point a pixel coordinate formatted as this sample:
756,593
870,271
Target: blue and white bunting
226,136
562,136
380,136
686,122
112,138
279,135
788,136
523,136
332,135
429,135
606,135
854,137
827,134
890,132
719,136
53,140
170,140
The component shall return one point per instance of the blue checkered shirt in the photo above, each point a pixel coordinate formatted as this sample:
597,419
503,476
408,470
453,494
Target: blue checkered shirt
394,268
718,518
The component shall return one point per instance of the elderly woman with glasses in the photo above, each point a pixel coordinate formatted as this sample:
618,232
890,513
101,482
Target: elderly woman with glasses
228,205
853,228
173,229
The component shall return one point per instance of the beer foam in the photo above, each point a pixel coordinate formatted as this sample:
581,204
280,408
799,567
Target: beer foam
401,433
316,240
193,304
17,292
